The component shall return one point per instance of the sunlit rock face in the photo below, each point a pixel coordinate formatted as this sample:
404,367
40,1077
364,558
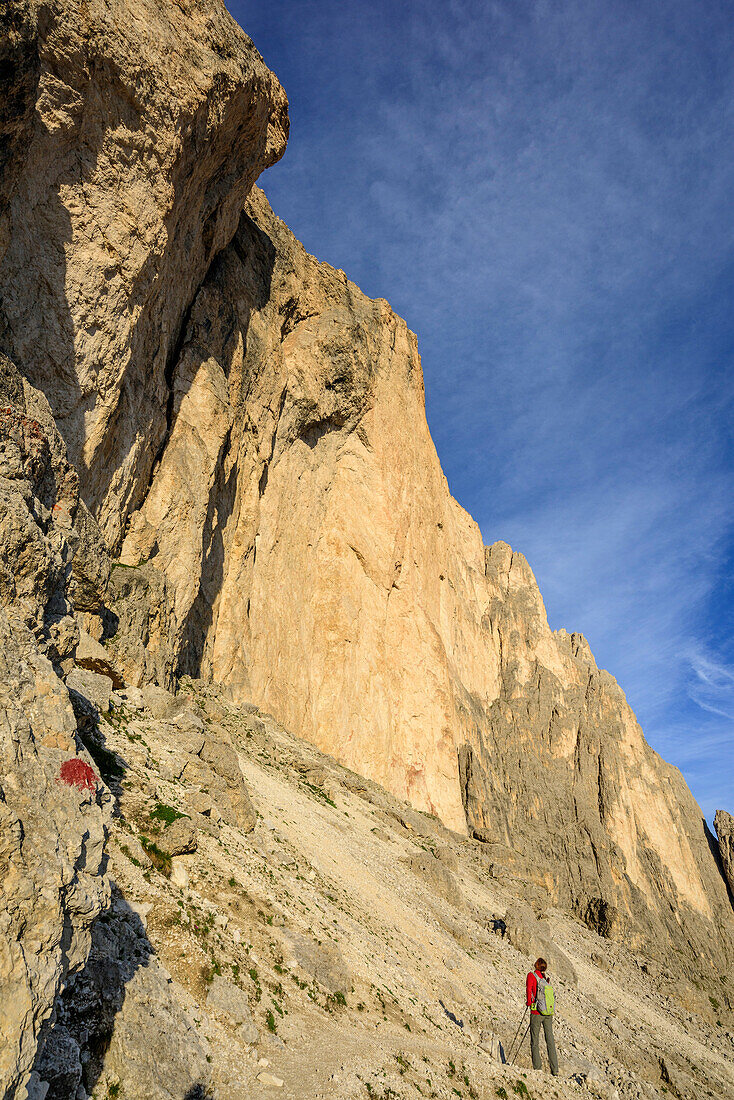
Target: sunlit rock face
321,566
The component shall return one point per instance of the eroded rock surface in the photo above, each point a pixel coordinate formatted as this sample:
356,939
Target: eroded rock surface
53,807
724,825
134,132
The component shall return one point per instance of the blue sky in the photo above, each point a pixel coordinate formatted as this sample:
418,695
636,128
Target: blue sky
544,191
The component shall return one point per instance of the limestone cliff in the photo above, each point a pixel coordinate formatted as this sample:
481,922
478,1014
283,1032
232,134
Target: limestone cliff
130,134
319,563
249,433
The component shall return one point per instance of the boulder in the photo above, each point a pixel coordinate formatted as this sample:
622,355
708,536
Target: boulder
180,874
230,793
93,656
179,837
226,997
437,877
222,759
201,803
164,704
269,1080
95,687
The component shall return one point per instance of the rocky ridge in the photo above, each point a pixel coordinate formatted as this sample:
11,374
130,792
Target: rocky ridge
53,809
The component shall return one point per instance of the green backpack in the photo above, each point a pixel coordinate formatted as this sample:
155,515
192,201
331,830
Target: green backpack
545,998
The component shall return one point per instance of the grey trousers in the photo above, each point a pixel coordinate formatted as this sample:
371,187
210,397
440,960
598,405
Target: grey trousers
546,1022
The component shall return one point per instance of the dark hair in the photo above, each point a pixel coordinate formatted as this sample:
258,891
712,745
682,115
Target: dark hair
541,965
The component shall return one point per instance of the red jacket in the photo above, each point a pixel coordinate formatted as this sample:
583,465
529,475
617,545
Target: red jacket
531,990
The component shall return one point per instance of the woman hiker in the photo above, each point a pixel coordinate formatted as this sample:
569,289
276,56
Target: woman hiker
540,1001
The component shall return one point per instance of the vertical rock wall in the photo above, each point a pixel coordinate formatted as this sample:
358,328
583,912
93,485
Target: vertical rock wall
53,807
134,131
130,134
320,564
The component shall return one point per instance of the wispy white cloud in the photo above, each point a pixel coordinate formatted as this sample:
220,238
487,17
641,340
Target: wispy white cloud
711,687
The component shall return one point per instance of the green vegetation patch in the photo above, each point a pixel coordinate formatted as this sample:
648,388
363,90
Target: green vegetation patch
135,862
166,814
318,793
160,859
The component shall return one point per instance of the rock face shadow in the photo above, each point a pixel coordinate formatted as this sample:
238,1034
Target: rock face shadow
117,1023
73,1047
454,1019
256,253
110,766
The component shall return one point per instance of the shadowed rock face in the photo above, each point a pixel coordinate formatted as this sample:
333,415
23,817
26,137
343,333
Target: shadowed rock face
249,431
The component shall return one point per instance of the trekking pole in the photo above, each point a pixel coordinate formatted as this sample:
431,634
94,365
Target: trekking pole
522,1021
527,1029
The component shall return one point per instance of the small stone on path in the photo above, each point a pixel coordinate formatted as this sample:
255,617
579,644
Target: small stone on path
270,1079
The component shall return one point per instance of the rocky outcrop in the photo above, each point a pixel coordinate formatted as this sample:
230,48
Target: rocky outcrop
131,133
122,1016
43,522
137,624
53,810
724,825
53,806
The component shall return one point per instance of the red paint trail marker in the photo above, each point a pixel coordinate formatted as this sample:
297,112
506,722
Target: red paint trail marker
76,773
